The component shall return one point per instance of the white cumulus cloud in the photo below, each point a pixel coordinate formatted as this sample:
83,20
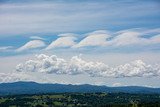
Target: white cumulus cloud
76,65
33,44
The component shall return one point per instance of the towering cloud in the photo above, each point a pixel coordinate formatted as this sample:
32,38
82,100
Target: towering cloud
76,65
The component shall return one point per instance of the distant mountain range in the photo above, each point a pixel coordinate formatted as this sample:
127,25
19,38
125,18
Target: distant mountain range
35,88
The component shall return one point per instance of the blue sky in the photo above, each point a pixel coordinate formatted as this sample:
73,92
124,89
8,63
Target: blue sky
107,31
23,19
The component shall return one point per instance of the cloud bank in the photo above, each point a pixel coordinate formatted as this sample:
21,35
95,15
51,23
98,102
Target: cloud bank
13,77
100,39
55,65
23,76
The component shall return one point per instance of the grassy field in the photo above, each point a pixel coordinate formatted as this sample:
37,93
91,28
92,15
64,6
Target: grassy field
81,100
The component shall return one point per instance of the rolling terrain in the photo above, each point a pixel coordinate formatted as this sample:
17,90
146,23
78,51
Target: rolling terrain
35,88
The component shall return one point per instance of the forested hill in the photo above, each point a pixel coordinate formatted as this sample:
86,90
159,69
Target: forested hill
33,88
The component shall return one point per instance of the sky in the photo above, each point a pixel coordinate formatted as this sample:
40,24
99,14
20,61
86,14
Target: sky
107,42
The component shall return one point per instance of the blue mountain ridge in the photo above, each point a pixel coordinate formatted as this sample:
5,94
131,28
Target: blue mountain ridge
22,87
